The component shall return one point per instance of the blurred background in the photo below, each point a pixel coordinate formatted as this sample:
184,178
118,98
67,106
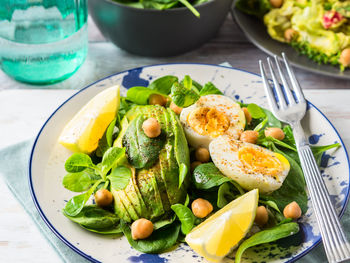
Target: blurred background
228,45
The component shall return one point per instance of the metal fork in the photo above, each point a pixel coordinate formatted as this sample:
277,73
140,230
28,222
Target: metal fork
291,109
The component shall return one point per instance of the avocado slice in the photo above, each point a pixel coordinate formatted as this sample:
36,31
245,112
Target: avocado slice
142,151
163,120
168,167
153,190
119,207
135,197
128,203
161,185
182,153
161,115
146,182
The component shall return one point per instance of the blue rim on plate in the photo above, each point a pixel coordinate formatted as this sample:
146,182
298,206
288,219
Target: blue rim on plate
77,250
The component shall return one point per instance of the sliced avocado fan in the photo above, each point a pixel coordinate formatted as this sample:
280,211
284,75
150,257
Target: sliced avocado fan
152,190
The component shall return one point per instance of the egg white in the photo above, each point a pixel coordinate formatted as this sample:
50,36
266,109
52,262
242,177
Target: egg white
224,153
222,104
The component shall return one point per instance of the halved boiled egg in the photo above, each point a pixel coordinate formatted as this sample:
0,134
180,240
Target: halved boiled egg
250,165
210,117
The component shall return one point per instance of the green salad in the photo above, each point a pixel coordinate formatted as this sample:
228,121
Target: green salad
176,159
163,4
319,29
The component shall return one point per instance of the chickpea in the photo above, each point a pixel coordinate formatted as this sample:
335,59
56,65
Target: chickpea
175,108
103,197
276,3
156,99
289,34
292,210
345,57
276,133
201,207
151,127
141,229
248,116
202,155
249,136
194,165
262,216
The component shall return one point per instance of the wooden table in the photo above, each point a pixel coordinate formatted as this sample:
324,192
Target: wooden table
24,108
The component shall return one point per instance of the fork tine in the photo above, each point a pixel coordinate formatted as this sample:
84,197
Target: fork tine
270,96
280,96
295,84
286,87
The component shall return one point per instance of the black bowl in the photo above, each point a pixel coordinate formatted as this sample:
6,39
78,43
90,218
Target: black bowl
151,32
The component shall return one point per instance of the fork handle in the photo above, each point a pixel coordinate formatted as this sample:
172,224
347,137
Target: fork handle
335,243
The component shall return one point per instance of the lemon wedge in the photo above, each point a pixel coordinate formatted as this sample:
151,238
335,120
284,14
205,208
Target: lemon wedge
220,233
87,127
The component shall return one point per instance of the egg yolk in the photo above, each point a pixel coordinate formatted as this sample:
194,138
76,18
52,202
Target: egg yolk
258,161
208,121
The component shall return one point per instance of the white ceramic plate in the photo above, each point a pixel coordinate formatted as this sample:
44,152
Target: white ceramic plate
46,168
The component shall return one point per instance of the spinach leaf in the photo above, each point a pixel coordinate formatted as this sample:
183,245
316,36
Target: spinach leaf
124,107
190,7
142,151
163,222
281,143
293,187
255,111
238,187
94,217
182,96
267,236
197,2
271,204
76,203
120,177
256,8
77,182
272,120
183,170
319,150
185,216
107,139
225,195
187,200
109,133
209,88
112,157
187,82
195,84
116,230
154,5
140,95
265,142
159,241
288,135
163,84
162,4
261,125
207,176
78,162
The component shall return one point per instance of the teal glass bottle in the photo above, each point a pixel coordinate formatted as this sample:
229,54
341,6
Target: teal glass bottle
42,41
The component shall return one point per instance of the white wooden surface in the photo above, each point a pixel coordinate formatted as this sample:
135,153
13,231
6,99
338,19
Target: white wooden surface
24,108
